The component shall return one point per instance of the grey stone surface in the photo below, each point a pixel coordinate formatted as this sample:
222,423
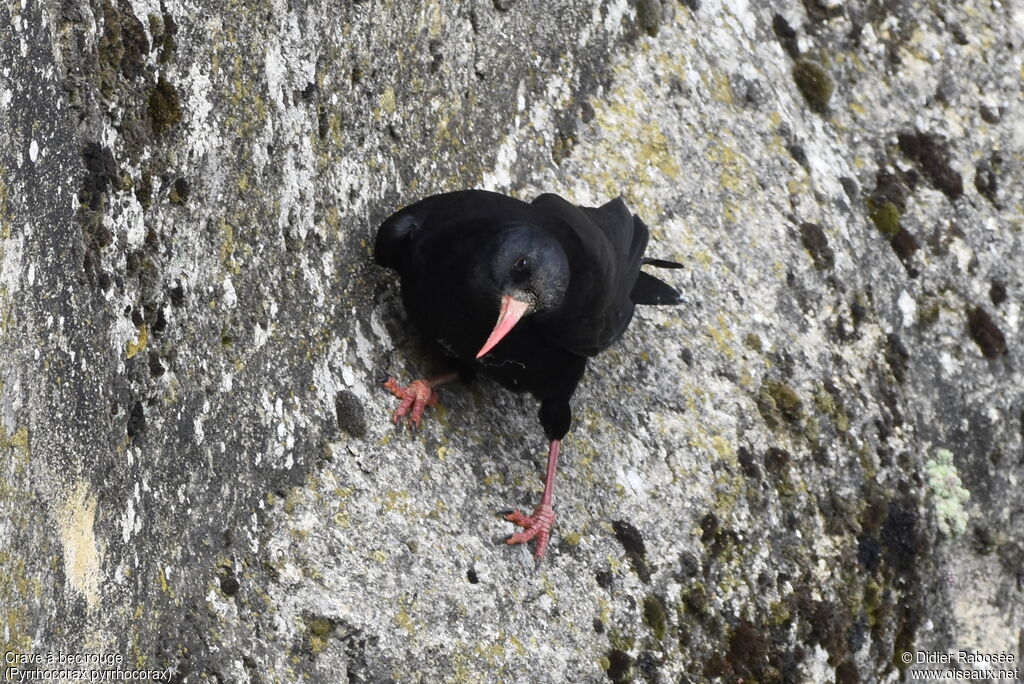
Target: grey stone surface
808,470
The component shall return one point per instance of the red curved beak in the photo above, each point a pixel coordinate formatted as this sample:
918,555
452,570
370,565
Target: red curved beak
511,311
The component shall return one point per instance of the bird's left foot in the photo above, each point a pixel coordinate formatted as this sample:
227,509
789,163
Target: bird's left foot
415,399
537,526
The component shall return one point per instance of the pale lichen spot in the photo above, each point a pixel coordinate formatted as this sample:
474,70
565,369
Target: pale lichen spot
75,520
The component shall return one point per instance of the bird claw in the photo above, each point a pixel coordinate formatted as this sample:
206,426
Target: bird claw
535,527
416,397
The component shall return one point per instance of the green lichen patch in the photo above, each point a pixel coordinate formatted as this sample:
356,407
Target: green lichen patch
830,405
885,215
814,83
949,492
164,106
778,404
319,630
655,616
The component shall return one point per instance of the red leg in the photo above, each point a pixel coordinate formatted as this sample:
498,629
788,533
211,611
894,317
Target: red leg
538,526
417,396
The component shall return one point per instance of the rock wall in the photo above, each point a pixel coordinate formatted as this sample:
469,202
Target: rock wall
810,469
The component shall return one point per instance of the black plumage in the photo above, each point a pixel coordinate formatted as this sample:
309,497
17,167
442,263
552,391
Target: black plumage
560,280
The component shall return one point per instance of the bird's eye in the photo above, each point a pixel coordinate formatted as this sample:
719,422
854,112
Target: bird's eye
522,265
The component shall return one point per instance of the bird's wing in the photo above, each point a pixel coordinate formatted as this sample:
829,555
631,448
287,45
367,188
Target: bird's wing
605,247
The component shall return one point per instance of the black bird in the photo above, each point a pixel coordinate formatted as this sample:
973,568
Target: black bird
560,280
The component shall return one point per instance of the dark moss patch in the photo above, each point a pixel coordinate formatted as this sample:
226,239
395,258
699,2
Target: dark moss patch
134,41
689,565
350,414
777,461
986,333
849,187
164,106
177,295
167,44
818,11
747,463
931,153
997,292
648,14
180,191
814,83
796,151
716,538
587,112
228,580
136,420
648,665
655,616
709,528
828,625
986,177
786,35
695,599
901,539
159,322
746,658
815,242
896,355
633,543
905,245
156,368
888,200
989,114
620,666
144,190
630,537
100,174
472,577
564,142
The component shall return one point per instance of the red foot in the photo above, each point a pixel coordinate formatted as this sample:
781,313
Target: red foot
415,398
537,526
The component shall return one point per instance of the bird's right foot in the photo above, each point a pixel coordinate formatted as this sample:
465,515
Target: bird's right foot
416,397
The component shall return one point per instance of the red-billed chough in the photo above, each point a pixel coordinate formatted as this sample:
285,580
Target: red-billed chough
560,281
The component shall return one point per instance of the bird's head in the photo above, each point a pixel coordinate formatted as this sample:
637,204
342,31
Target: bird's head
525,271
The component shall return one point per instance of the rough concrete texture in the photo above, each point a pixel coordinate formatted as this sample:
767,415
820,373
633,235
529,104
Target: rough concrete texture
811,468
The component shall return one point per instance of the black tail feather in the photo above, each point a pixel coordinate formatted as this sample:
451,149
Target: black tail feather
660,263
650,290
